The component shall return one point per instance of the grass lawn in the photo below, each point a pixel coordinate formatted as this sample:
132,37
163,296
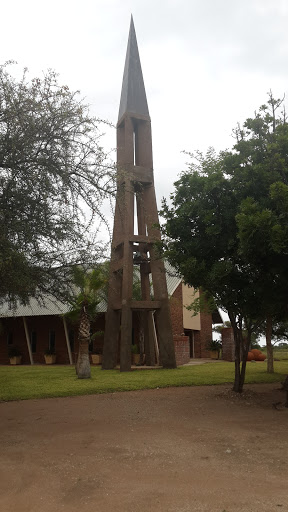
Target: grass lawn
281,354
26,382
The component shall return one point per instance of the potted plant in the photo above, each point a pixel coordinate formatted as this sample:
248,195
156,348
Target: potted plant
96,357
15,355
214,347
135,354
50,356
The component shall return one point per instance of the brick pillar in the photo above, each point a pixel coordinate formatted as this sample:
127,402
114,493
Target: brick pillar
197,344
203,337
176,311
182,349
205,333
228,344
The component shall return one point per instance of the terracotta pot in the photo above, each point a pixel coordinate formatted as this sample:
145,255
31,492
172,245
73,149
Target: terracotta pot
136,358
50,358
213,354
15,360
96,358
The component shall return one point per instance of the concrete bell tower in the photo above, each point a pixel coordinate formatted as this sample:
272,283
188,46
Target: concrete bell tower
135,245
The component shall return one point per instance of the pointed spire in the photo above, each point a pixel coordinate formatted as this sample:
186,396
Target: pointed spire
133,95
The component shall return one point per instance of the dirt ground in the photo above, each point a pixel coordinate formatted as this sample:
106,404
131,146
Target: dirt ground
167,450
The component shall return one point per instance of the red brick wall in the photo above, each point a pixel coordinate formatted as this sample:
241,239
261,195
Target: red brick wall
97,326
197,344
42,325
176,309
16,327
205,333
228,345
181,343
202,337
182,349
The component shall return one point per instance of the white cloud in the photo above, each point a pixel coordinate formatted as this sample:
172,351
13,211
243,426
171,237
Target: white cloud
206,64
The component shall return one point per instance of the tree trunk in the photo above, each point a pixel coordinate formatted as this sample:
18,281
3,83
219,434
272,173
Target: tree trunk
83,362
236,353
245,350
237,383
241,351
270,358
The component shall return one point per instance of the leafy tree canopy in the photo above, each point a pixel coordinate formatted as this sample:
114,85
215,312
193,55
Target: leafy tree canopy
226,225
54,176
87,285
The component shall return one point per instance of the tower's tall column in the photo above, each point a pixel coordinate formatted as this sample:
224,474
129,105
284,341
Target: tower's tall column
135,180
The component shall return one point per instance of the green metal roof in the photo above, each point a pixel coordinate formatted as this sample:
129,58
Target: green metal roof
51,306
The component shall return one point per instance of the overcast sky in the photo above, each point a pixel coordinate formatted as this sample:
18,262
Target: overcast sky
207,64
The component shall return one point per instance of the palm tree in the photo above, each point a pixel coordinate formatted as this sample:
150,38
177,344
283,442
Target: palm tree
83,309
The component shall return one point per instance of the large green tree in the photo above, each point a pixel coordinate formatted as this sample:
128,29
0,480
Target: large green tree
53,179
262,151
212,237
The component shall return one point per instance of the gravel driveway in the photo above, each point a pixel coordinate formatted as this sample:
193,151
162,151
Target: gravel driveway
169,450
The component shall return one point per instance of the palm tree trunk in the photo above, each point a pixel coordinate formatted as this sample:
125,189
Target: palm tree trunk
83,362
